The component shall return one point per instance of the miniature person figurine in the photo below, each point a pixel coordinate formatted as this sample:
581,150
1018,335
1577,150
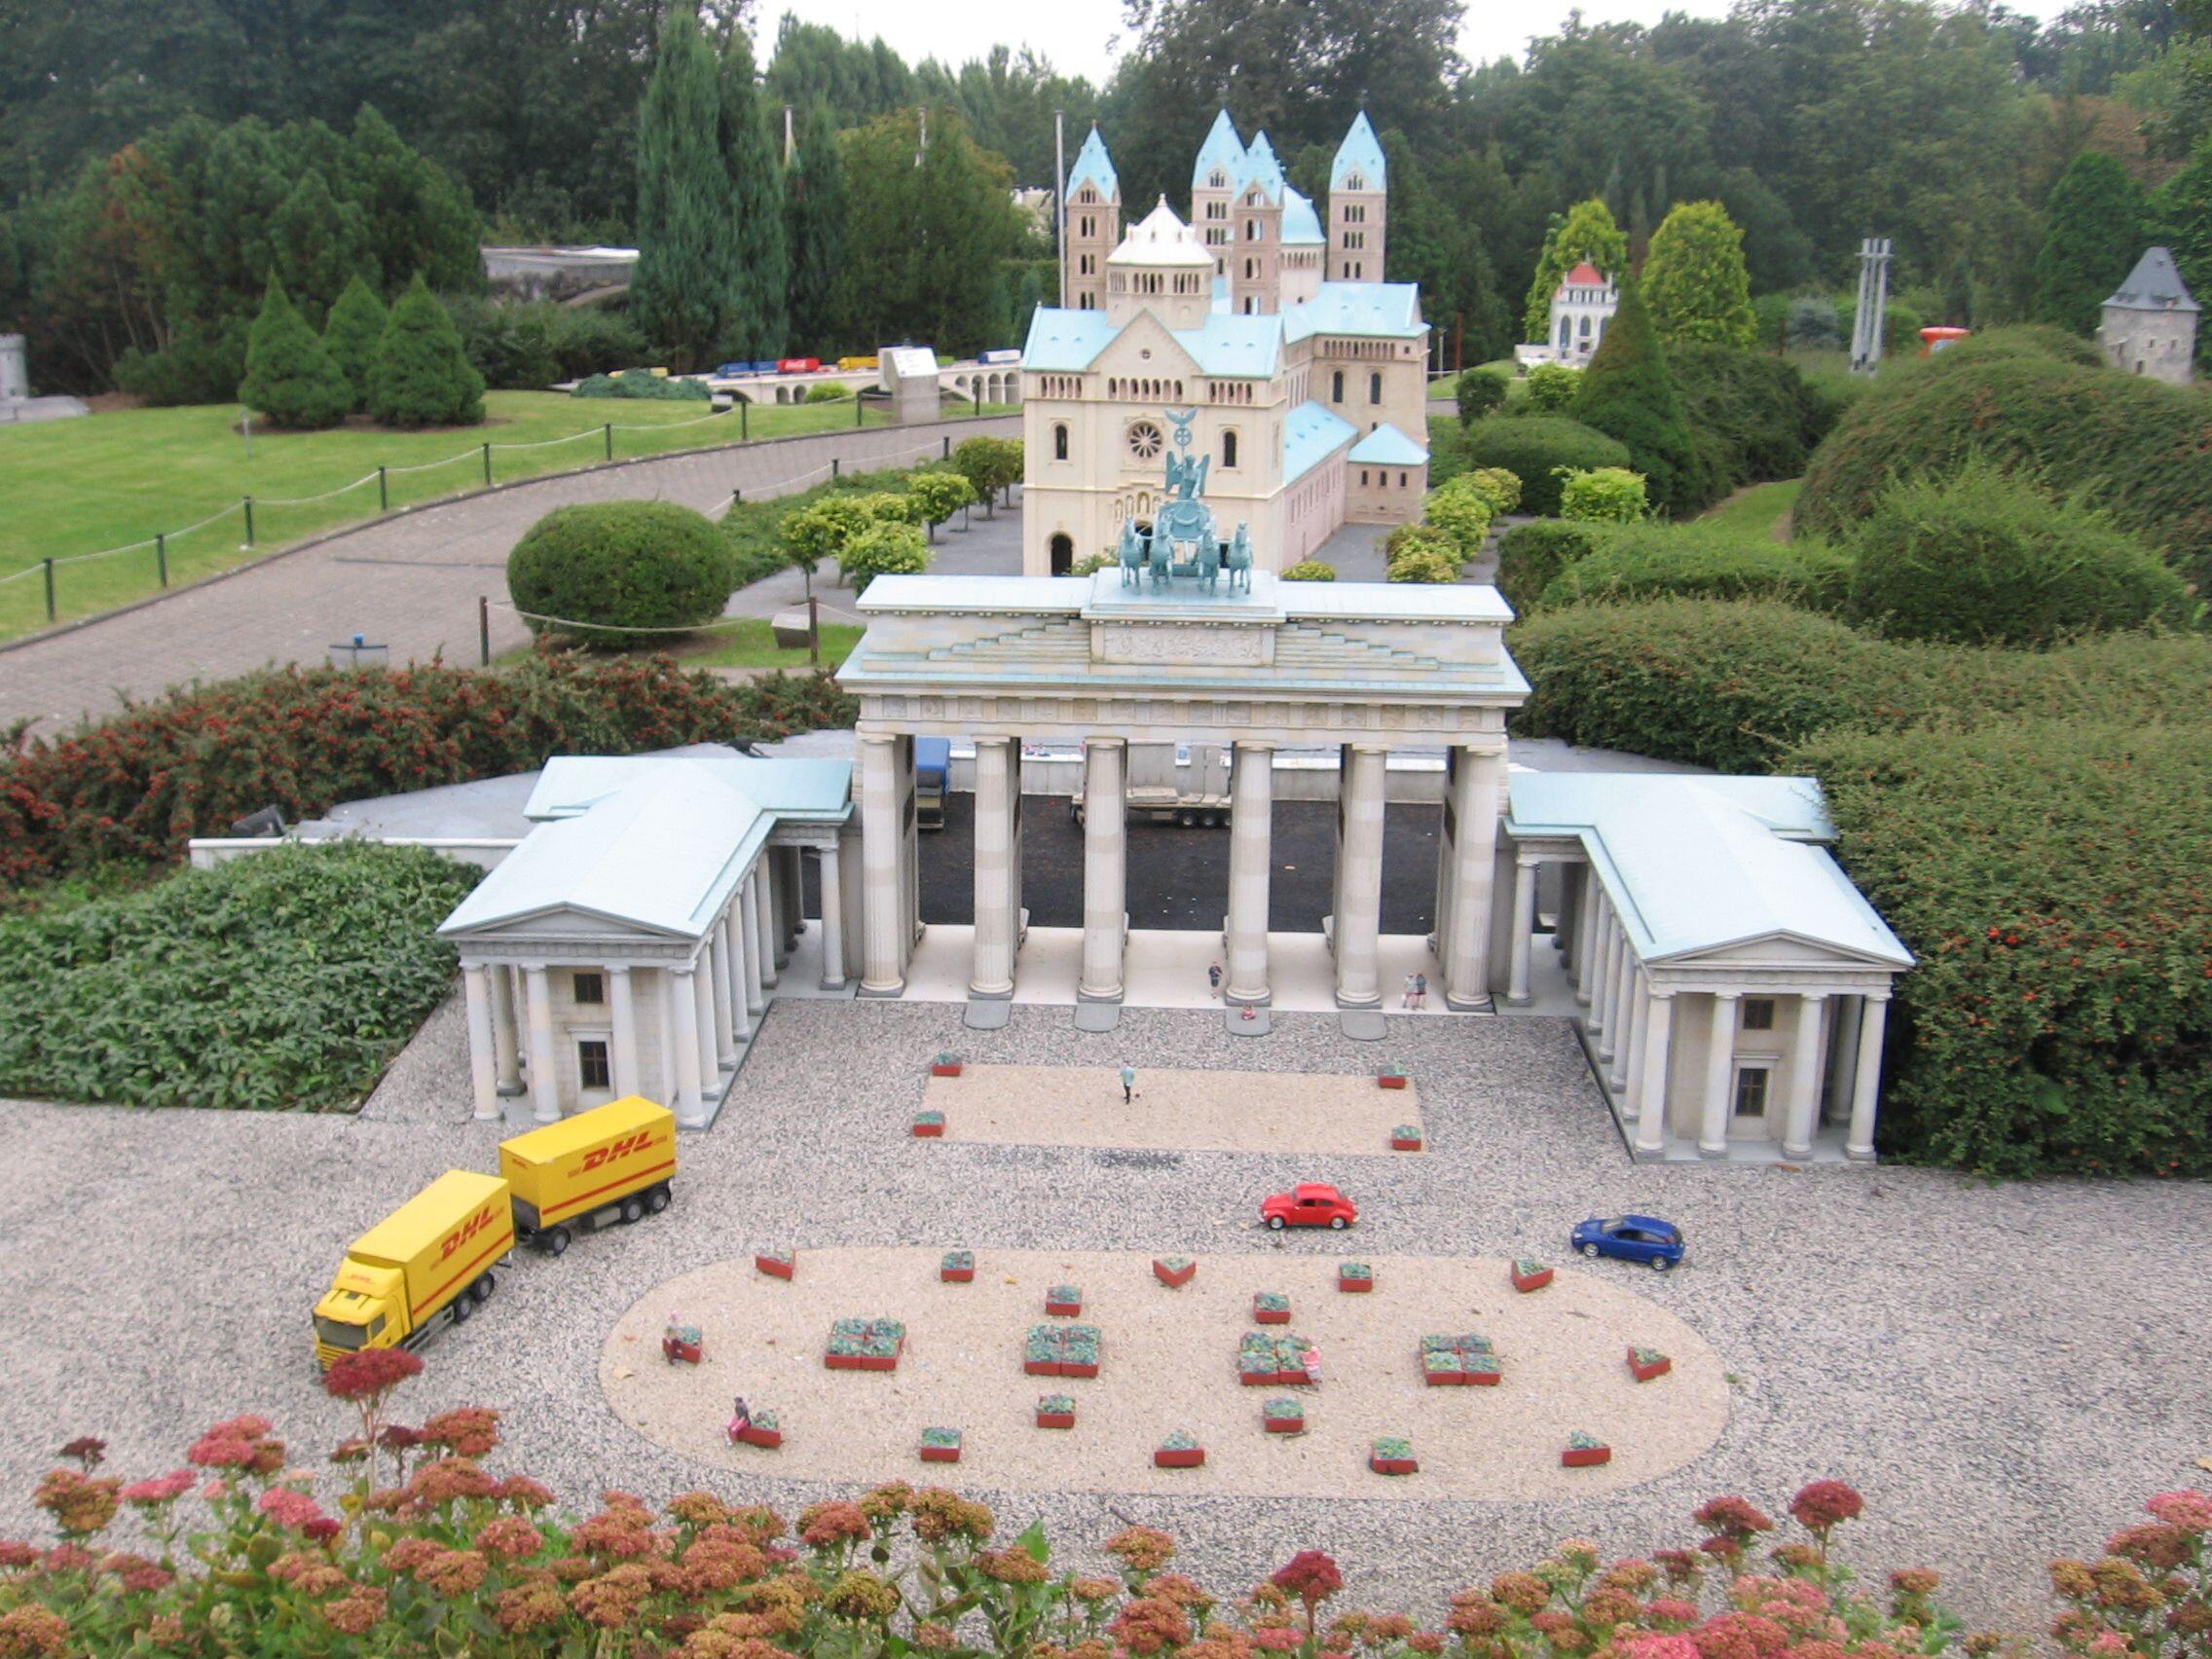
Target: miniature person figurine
1128,1084
1420,990
740,1417
1406,997
1213,981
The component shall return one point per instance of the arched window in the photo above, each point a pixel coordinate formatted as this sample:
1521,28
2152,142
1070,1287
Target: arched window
1060,552
1059,442
1228,449
1565,332
1353,181
1251,230
1585,328
1337,387
1374,387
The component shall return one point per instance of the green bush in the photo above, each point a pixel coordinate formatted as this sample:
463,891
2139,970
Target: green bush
1479,391
1628,393
1552,388
2135,447
526,346
829,391
758,534
1605,495
1985,558
351,335
422,377
893,507
2048,876
622,564
1698,561
2019,340
1531,557
1531,446
1424,566
1090,563
1423,540
1818,325
290,377
1732,684
169,998
1759,409
1462,513
940,494
133,789
203,364
1310,570
990,464
639,385
884,550
1493,485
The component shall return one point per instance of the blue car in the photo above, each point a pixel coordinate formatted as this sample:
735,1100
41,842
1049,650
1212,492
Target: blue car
1646,1238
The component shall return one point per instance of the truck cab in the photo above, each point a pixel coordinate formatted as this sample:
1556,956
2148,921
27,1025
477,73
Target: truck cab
433,1255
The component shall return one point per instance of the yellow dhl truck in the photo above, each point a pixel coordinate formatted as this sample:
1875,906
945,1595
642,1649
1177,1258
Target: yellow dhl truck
435,1253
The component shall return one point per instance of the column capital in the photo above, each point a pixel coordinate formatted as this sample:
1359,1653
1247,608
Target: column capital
1255,744
1728,996
1529,861
616,970
1882,995
1660,993
1813,996
1358,747
1105,742
683,970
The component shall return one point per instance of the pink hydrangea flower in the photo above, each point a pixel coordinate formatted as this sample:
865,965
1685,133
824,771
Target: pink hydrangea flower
2189,1509
289,1508
1656,1648
162,1488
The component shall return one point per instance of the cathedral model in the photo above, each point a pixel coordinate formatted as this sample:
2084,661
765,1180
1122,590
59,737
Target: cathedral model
1300,375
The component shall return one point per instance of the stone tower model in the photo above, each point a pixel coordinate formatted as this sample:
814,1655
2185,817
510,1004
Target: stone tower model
1359,201
1214,178
1095,224
1254,284
2149,323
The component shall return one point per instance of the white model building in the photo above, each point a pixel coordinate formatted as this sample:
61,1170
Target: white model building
2149,323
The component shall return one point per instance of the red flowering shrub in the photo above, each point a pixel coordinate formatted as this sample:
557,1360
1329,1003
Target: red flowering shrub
2151,1596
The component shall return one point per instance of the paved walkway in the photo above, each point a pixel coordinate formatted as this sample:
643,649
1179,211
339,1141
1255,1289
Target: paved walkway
410,582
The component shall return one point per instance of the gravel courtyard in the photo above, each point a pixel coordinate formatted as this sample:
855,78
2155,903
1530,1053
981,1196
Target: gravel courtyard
2006,1372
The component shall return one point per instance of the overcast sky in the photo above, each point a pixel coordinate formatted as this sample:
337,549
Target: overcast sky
1076,34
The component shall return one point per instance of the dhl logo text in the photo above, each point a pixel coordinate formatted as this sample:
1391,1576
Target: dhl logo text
468,1230
622,1148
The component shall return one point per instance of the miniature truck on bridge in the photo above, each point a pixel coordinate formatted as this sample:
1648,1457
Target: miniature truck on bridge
434,1255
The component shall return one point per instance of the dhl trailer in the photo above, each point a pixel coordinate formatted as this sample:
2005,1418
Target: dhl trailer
435,1253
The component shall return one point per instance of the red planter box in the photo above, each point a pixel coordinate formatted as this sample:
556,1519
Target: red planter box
941,1454
1482,1379
957,1275
936,1070
774,1269
1040,1367
1355,1287
1586,1456
1162,1458
1079,1368
1285,1425
1055,1420
929,1132
1645,1372
673,1350
1444,1378
1269,1315
1064,1309
1534,1282
1392,1081
1402,1143
1171,1278
1392,1465
767,1439
864,1361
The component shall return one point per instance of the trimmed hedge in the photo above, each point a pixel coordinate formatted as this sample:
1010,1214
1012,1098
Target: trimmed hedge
1759,412
1697,561
2049,876
639,386
133,789
289,978
623,563
1531,446
2137,447
1530,556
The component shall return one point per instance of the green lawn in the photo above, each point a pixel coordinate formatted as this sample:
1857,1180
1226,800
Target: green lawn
1760,507
77,487
752,643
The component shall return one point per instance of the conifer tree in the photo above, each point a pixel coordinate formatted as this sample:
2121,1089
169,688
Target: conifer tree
755,322
1627,393
352,335
1694,279
678,290
2097,235
289,376
813,217
1587,232
422,377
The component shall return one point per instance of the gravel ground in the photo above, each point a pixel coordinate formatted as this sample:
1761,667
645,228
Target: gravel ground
2006,1372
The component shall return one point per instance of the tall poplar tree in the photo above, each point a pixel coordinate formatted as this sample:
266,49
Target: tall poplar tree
678,292
814,232
2095,237
1694,277
755,323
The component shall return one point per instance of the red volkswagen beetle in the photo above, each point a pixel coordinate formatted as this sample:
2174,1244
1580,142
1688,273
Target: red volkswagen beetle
1311,1203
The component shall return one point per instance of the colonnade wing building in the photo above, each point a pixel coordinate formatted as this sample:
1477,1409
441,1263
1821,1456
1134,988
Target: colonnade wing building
1307,371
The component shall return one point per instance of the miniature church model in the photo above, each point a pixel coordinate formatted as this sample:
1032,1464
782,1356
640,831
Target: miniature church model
1582,305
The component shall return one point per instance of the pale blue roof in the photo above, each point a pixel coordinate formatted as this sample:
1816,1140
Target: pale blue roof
1262,169
814,790
1300,224
1695,865
1388,309
1222,149
1231,346
1064,341
1361,152
1092,165
1387,446
1309,436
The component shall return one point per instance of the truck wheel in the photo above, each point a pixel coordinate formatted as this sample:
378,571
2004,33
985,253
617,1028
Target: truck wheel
1187,817
554,1240
481,1290
462,1308
657,1200
632,1209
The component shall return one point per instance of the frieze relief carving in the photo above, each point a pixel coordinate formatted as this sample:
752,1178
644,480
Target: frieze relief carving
1121,642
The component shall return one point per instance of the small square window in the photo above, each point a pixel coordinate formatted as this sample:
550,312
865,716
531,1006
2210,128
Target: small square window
591,987
1751,1091
592,1067
1758,1013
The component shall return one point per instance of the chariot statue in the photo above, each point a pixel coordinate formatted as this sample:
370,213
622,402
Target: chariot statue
1183,541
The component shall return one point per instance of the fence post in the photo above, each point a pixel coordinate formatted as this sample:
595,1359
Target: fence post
49,564
609,440
248,500
484,630
945,454
384,491
832,466
161,556
737,497
486,466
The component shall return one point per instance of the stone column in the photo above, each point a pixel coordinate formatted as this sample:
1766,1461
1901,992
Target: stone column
1613,1030
1624,1014
1586,907
506,998
833,921
748,918
735,994
791,889
1472,777
1719,1077
1524,929
681,1012
991,975
882,836
624,1006
721,984
710,1061
482,1062
1867,1077
545,1079
1628,1063
1359,880
764,914
1801,1109
1252,868
1651,1120
1105,872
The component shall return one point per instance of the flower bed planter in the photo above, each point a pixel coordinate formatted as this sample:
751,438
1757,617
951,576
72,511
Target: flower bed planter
957,1268
1354,1277
1269,1308
763,1431
929,1126
945,1065
681,1342
1527,1273
1405,1137
940,1446
1061,1350
865,1345
1063,1301
1457,1361
1392,1456
1173,1271
776,1263
1056,1411
1178,1452
1585,1451
1391,1079
1284,1416
1270,1361
1645,1363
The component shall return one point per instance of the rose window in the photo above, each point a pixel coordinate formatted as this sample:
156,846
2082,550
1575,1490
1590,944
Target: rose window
1145,440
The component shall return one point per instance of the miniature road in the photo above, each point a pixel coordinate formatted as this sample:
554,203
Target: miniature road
410,582
2004,1372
